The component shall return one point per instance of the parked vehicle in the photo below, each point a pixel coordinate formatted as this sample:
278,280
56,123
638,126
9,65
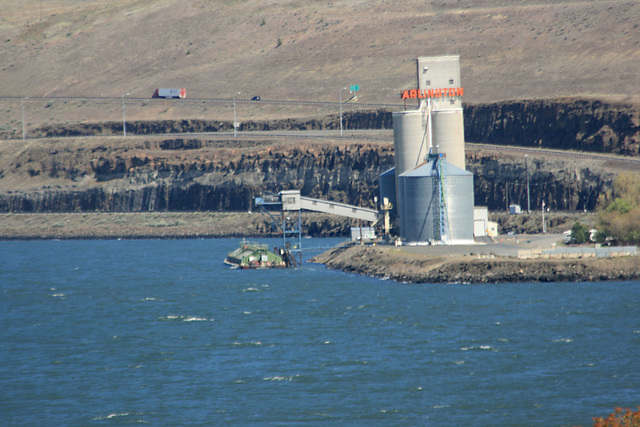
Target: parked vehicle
170,93
255,98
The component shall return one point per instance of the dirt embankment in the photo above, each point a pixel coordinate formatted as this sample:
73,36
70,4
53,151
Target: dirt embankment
396,264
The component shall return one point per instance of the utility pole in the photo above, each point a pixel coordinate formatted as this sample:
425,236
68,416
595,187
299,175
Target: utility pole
124,120
544,229
526,166
341,89
506,194
24,133
235,123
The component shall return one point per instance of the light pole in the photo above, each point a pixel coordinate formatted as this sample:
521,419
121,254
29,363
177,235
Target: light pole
341,89
544,229
235,123
124,120
526,166
24,133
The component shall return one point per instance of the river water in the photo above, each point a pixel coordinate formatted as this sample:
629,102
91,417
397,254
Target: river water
161,332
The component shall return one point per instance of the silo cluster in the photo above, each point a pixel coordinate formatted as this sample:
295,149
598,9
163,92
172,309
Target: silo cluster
430,189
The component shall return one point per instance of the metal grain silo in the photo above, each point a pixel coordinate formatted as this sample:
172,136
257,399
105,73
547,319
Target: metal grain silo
421,207
388,189
459,188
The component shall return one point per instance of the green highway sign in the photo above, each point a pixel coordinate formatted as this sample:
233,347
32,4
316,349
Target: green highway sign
354,88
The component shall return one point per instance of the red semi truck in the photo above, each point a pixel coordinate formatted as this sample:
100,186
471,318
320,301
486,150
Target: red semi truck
170,93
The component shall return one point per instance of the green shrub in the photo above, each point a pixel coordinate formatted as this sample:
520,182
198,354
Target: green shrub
619,217
579,234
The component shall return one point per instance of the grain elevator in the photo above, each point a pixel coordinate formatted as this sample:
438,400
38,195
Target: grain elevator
429,188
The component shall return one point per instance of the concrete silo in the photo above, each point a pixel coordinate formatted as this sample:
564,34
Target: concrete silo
410,139
448,135
410,145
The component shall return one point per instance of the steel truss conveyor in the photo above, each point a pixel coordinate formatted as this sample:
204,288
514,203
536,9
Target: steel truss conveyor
292,201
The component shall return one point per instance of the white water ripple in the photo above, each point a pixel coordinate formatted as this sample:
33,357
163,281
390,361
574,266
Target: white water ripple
174,318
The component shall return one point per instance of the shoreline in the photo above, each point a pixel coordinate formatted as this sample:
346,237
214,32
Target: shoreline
489,263
404,266
147,225
108,226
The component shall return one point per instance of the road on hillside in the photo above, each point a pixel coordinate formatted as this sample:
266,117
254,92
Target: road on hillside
201,100
371,135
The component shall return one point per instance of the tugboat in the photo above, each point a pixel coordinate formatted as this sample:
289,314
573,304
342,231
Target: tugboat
251,255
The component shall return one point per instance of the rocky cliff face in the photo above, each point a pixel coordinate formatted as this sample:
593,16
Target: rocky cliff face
229,179
563,184
224,179
583,125
200,174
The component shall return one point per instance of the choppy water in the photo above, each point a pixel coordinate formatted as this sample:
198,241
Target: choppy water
160,332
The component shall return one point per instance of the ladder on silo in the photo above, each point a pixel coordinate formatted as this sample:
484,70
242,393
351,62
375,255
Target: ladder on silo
441,223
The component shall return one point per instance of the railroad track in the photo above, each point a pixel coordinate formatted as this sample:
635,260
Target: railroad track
548,152
360,135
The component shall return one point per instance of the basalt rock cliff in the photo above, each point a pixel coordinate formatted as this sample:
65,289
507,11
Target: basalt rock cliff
581,125
214,174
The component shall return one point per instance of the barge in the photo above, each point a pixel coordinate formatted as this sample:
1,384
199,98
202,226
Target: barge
251,255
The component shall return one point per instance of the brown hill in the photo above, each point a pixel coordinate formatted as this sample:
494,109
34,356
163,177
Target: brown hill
283,49
287,49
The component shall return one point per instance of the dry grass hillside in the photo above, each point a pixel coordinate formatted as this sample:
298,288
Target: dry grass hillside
292,49
279,50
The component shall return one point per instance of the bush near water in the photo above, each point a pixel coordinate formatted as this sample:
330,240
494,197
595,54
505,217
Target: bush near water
619,418
619,210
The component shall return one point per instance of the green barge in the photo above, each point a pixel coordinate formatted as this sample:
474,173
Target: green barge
251,255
